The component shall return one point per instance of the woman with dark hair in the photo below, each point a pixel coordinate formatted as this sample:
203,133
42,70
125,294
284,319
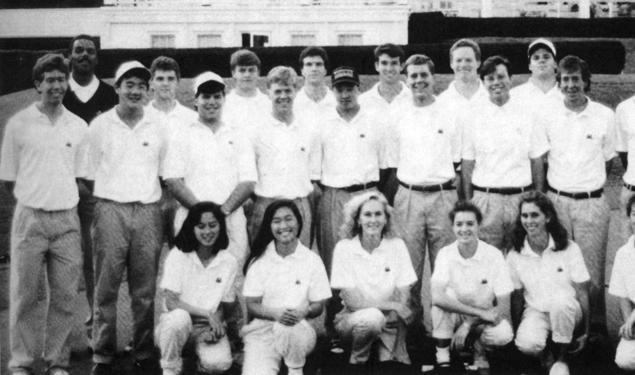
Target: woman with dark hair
551,285
285,284
197,287
373,273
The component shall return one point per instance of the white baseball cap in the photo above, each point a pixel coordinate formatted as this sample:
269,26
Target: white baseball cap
130,66
207,77
541,42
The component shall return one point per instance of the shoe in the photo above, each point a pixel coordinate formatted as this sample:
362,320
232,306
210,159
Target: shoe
56,371
102,369
559,368
336,346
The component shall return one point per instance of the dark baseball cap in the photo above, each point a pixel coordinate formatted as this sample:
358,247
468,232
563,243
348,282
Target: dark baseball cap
344,74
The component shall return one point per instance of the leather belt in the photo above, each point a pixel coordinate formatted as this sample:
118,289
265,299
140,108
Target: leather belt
428,188
359,187
582,195
503,190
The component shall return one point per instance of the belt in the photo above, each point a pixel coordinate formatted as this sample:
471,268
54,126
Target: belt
629,186
583,195
503,190
428,188
359,187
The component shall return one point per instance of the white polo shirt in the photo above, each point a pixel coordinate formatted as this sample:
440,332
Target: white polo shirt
580,145
308,111
533,98
474,281
246,113
197,285
375,275
287,159
287,282
177,118
501,140
425,144
548,277
352,152
625,135
622,277
211,164
44,158
373,101
457,104
126,162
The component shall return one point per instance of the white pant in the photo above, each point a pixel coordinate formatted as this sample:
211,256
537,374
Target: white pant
267,343
561,320
445,323
625,355
174,330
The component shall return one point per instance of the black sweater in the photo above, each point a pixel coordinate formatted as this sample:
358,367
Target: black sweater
104,99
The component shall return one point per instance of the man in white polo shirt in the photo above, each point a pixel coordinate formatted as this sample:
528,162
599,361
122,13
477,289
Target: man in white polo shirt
127,148
212,161
245,105
353,150
287,154
315,98
425,150
625,146
581,135
502,154
541,88
43,152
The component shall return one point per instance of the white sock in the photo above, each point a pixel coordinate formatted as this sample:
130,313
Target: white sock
295,371
443,355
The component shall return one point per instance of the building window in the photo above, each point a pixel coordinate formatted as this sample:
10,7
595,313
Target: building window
349,39
209,40
162,41
302,39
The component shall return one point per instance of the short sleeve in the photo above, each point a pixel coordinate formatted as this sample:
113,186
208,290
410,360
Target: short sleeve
539,141
608,144
455,140
393,139
384,145
176,158
82,156
315,156
503,282
512,258
95,139
319,288
254,281
406,275
468,151
172,271
340,268
617,285
8,154
164,133
441,273
245,158
621,129
578,270
229,294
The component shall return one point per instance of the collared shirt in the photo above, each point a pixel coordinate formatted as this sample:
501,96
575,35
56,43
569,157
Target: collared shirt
178,117
580,144
548,277
211,164
622,277
625,135
308,111
534,99
126,162
424,145
501,140
376,275
246,113
202,286
352,152
287,159
474,281
457,104
287,282
84,93
372,100
44,158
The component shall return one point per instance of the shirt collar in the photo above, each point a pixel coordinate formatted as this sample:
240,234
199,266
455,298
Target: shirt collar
92,85
271,252
527,251
219,258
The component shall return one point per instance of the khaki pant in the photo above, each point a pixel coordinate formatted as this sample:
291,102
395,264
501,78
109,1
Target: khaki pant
500,212
625,355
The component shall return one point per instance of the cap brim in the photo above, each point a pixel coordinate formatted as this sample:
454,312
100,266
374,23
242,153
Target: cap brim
537,46
210,87
346,81
136,72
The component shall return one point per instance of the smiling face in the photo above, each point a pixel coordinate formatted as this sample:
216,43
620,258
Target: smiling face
246,76
497,84
164,84
465,227
83,56
388,68
372,218
52,87
533,220
420,81
132,91
281,96
284,226
542,63
464,64
313,69
572,85
210,106
207,230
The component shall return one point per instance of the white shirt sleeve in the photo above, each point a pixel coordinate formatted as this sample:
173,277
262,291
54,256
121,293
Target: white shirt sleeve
539,141
173,271
340,269
254,281
82,154
95,139
441,273
578,270
512,257
617,285
229,295
608,143
319,288
468,151
621,129
502,279
9,154
246,158
406,274
177,156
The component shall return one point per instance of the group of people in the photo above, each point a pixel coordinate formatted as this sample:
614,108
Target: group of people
317,201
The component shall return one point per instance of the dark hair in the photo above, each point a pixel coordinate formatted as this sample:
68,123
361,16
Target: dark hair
490,64
629,205
165,63
48,63
466,43
466,206
265,236
572,64
186,240
419,59
312,51
554,227
82,37
389,49
243,57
